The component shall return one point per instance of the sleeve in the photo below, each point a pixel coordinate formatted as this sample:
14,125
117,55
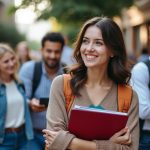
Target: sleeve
26,75
133,124
57,119
139,82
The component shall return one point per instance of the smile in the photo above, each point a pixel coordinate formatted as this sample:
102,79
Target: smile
90,57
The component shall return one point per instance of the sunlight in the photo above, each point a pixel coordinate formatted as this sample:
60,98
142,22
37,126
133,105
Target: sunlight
25,16
17,2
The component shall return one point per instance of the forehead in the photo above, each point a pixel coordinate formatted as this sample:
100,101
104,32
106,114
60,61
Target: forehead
52,45
93,32
7,55
22,47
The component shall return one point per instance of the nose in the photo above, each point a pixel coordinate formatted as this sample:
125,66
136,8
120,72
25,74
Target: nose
52,55
11,63
90,47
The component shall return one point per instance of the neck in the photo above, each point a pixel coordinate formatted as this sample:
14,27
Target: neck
6,78
98,77
51,71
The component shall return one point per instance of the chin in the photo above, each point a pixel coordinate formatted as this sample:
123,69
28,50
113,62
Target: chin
90,64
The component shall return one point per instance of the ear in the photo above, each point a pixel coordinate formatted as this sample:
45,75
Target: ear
110,53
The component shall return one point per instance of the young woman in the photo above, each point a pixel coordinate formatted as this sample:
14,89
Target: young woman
23,52
15,123
101,65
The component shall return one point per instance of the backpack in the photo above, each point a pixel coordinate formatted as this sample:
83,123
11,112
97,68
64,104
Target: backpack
124,95
37,75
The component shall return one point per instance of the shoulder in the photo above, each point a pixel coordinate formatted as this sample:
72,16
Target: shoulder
134,102
58,81
27,69
135,96
28,65
140,73
139,67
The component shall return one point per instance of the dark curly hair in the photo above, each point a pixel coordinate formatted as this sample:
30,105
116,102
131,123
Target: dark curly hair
113,39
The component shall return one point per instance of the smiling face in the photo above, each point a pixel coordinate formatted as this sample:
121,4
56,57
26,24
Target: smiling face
51,54
8,64
93,50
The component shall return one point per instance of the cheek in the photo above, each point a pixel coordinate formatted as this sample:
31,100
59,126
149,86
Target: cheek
105,58
81,52
82,48
3,68
58,55
44,55
15,63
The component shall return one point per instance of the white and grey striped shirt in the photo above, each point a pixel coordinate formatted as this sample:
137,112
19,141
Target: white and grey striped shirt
43,89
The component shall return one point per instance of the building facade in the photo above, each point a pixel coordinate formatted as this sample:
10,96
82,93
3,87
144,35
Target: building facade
136,27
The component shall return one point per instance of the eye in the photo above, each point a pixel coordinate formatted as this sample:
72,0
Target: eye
48,50
13,58
99,43
6,61
85,41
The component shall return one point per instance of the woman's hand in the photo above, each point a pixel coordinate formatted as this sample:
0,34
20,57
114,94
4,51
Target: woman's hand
122,137
49,137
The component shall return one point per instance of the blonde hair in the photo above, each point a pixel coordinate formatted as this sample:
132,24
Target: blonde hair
5,48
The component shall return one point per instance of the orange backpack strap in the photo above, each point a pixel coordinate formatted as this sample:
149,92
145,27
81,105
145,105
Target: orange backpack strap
69,97
124,97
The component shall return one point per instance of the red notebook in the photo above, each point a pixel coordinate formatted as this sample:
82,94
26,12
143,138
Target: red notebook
95,124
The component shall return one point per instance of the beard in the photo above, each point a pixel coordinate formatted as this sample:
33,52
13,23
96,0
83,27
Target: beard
53,65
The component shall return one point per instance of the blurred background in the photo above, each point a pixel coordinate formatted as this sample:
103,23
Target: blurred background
29,20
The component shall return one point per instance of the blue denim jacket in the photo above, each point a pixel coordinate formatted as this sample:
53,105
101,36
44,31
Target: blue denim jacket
3,110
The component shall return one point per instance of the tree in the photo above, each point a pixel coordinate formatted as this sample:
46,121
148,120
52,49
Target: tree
10,35
76,10
72,13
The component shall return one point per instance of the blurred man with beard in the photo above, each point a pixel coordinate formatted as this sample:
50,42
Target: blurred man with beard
49,67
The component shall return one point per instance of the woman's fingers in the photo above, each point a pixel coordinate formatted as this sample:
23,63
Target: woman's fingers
122,132
122,137
128,142
49,136
125,139
47,144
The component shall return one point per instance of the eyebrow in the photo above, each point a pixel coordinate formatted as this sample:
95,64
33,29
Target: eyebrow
95,39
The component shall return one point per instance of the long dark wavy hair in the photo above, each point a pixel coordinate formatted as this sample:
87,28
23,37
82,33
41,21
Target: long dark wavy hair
117,67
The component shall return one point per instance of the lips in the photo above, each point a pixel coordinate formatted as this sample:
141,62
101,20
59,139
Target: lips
90,57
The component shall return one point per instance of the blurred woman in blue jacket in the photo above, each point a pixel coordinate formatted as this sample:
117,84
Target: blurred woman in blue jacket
15,121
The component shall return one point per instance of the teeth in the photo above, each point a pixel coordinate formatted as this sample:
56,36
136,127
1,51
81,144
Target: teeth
89,57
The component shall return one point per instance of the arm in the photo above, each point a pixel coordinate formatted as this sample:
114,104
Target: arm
57,119
140,81
75,144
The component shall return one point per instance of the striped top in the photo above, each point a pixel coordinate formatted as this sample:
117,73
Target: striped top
42,91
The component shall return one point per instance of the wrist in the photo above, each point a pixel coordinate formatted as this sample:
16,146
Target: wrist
73,144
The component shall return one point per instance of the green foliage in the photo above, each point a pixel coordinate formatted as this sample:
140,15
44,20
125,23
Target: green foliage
34,45
78,10
72,13
10,35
